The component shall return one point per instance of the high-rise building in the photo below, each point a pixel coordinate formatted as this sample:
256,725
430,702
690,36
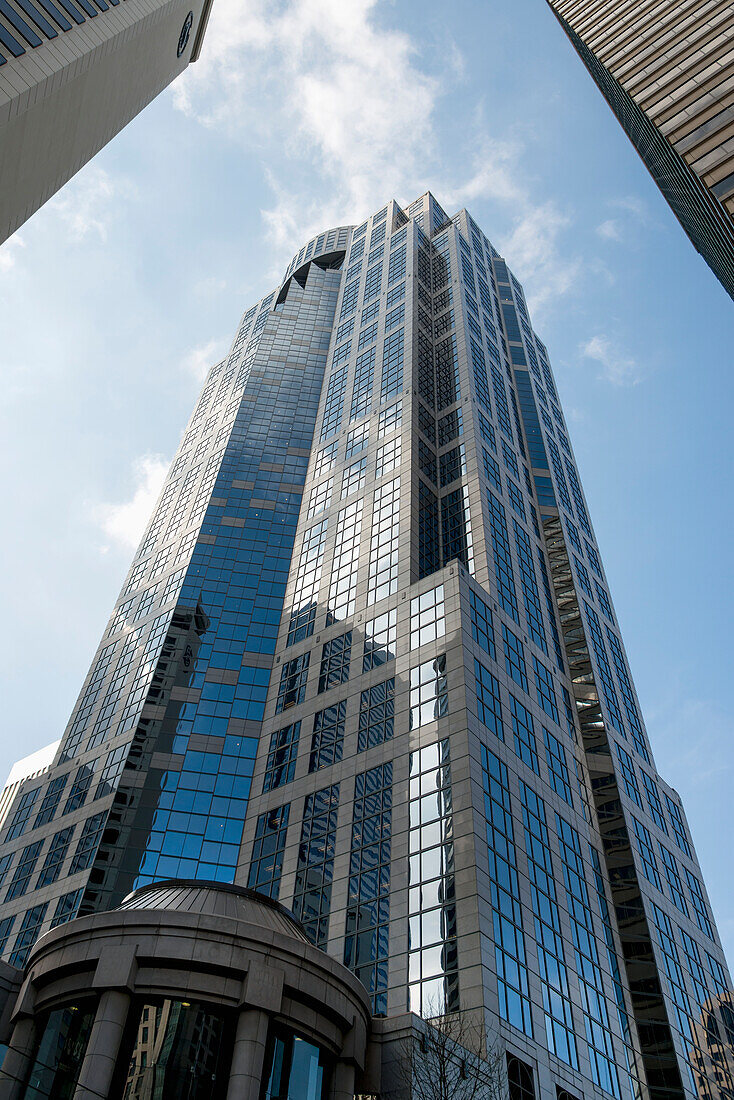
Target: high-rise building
667,71
30,767
72,74
366,662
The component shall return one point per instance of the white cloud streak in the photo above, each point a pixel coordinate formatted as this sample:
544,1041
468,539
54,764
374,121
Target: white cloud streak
9,252
88,202
123,523
338,103
616,367
198,361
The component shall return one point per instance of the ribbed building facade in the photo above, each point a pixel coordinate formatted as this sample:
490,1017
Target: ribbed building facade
666,68
366,662
72,74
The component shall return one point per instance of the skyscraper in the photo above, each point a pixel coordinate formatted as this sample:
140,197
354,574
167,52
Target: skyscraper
366,662
667,71
72,74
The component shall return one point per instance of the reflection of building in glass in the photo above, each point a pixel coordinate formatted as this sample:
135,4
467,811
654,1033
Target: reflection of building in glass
371,611
712,1046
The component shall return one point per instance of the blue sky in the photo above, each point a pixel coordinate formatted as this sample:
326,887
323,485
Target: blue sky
117,295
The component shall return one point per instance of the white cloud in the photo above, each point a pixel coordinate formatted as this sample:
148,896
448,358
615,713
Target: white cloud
9,252
89,201
198,361
610,230
123,523
633,213
616,367
533,252
338,103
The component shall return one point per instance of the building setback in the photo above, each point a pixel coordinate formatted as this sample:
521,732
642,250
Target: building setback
72,74
667,71
366,662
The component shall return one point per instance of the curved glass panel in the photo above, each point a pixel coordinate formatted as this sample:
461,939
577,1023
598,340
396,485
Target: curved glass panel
294,1068
61,1048
180,1051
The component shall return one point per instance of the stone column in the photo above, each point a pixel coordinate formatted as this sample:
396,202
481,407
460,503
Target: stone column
342,1082
248,1056
103,1048
17,1060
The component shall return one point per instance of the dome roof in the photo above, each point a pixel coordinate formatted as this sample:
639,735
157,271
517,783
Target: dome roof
216,899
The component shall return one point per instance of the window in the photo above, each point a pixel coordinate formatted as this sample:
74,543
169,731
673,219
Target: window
80,787
366,943
491,470
675,886
373,282
363,380
524,734
335,660
55,857
644,843
392,365
376,715
555,755
629,779
27,935
593,558
66,907
267,851
654,804
583,575
22,877
333,403
319,498
545,689
51,800
394,294
293,677
367,336
380,638
604,603
89,840
342,587
281,763
370,312
325,458
388,457
328,736
357,439
390,419
429,699
382,577
179,1048
308,579
314,872
489,707
19,820
482,630
502,560
514,658
427,617
111,771
452,465
510,956
395,317
679,829
433,960
699,905
353,477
